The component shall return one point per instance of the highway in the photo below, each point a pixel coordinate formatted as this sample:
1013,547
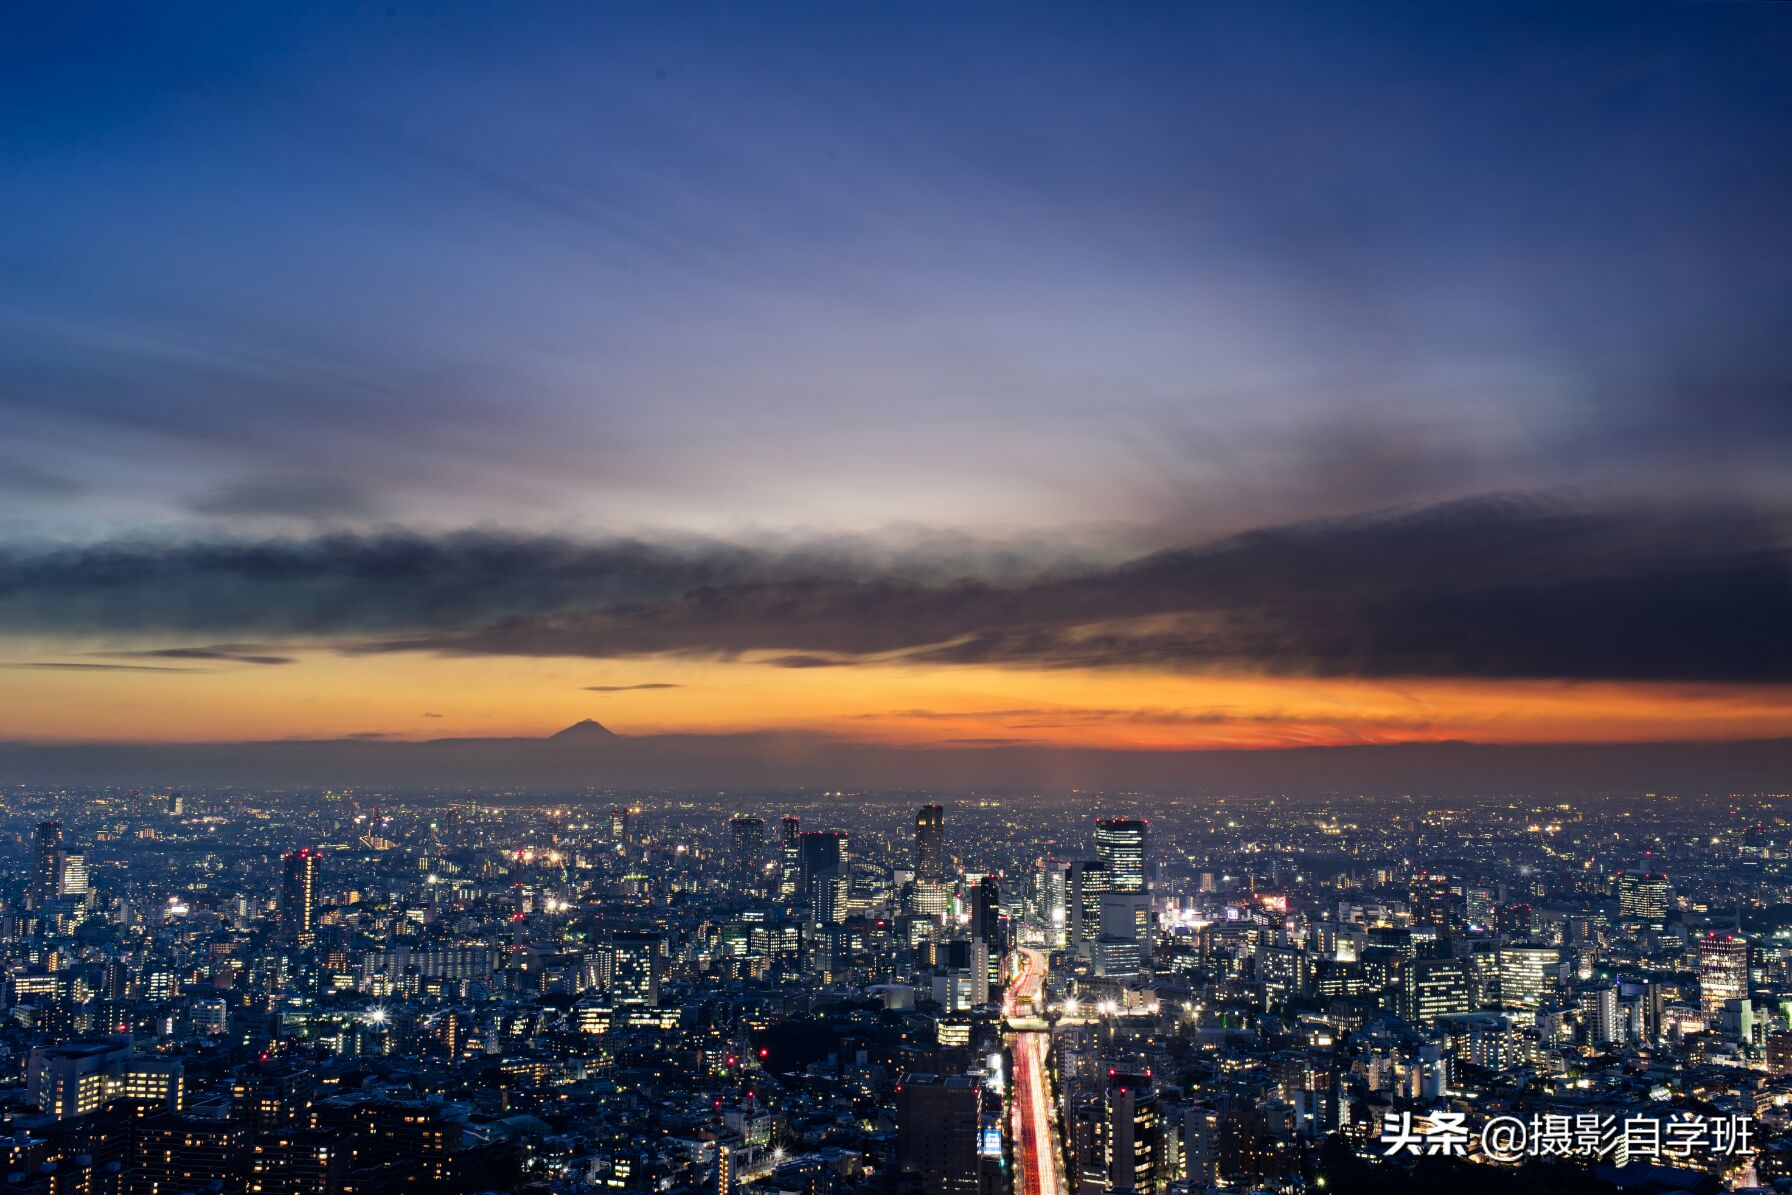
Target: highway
1034,1127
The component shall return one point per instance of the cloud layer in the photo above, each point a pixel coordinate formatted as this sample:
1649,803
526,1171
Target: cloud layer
1497,587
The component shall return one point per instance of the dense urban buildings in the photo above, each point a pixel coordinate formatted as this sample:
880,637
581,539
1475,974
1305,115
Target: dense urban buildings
491,992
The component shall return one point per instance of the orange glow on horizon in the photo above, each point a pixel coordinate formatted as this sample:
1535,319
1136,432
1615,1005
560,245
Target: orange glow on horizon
415,696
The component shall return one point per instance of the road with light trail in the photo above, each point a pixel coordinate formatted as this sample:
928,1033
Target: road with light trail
1033,1126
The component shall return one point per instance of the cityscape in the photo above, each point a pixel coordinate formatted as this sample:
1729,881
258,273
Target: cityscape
819,993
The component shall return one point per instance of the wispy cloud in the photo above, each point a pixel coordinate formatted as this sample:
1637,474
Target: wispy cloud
64,666
630,688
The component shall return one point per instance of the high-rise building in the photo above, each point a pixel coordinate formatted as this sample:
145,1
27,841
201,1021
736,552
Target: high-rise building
621,824
1723,972
1431,899
73,880
1528,974
790,856
1644,897
986,938
937,1117
298,896
47,867
826,874
638,967
1090,880
1121,844
747,836
1132,1137
1434,987
930,845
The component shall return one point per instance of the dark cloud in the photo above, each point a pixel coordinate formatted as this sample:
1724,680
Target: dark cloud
60,666
1494,587
630,688
228,652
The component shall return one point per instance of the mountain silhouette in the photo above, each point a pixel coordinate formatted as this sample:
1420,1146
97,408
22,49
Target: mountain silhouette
586,731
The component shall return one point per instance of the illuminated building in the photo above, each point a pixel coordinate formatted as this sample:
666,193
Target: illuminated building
1527,974
1644,898
1132,1142
790,855
298,1162
298,896
747,846
1433,988
78,1077
1431,899
930,845
47,864
826,875
1121,845
639,965
1723,972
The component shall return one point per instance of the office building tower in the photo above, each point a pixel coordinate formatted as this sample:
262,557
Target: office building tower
747,839
1434,987
825,875
937,1118
47,865
930,845
1120,844
1431,900
790,856
73,880
1131,1136
1090,880
1644,898
1723,972
298,896
1528,974
639,964
621,824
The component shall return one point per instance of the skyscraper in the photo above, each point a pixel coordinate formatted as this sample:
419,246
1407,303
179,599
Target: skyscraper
747,836
46,874
1431,899
1132,1137
1644,897
298,896
1723,971
636,978
790,869
1434,987
930,845
986,937
1120,843
825,875
73,878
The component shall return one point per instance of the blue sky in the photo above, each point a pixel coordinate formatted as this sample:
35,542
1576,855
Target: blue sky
1187,268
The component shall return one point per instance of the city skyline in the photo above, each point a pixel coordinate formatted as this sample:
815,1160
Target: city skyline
1201,377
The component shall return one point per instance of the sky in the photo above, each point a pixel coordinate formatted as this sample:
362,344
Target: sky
1141,377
